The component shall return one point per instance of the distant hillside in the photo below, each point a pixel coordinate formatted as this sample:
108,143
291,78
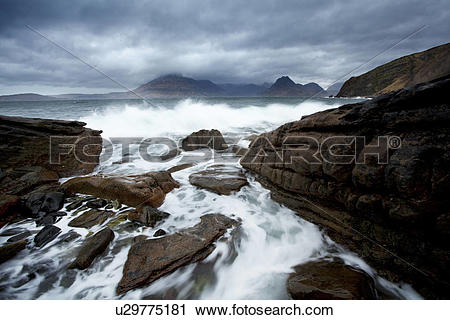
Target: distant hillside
285,87
97,96
334,89
26,97
400,73
243,90
178,86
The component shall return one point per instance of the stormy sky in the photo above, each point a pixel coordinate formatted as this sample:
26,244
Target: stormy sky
252,41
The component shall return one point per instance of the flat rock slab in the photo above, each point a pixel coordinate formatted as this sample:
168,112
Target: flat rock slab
8,251
90,218
220,179
324,280
47,234
149,188
149,260
95,246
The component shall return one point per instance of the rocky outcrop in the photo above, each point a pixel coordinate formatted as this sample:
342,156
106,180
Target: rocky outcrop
26,142
220,179
145,189
204,139
149,260
94,247
400,73
325,280
147,215
34,154
385,199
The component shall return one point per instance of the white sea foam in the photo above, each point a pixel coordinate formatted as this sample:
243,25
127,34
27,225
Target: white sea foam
189,115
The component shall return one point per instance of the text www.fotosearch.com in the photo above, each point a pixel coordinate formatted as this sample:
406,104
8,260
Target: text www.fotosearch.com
230,310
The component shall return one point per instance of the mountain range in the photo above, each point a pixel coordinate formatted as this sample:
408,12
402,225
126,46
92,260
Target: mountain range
178,86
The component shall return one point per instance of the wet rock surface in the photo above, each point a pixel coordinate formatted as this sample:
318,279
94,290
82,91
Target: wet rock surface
9,250
90,218
94,247
204,139
221,179
149,260
47,234
399,200
148,216
323,280
146,189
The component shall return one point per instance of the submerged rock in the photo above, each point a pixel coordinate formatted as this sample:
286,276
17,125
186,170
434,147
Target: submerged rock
179,167
145,189
90,218
149,260
96,204
148,216
47,234
159,233
324,280
19,236
220,179
8,251
95,246
204,139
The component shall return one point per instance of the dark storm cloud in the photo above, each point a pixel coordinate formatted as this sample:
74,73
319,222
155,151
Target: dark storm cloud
225,41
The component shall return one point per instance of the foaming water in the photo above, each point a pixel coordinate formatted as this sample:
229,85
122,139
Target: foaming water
189,115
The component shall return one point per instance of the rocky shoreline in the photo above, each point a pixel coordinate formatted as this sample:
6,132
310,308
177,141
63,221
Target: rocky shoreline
391,214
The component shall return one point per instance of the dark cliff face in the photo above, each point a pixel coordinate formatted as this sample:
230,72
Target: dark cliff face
285,87
400,73
391,210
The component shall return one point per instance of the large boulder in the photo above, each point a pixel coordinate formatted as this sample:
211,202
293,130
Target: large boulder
375,176
204,139
145,189
94,247
149,260
324,280
45,202
220,179
9,250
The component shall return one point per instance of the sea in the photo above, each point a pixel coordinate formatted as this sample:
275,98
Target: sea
252,264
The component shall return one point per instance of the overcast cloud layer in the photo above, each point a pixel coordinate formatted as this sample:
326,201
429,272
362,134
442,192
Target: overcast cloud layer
224,41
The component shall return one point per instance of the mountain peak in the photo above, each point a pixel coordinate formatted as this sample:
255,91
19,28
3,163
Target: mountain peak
285,87
284,81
